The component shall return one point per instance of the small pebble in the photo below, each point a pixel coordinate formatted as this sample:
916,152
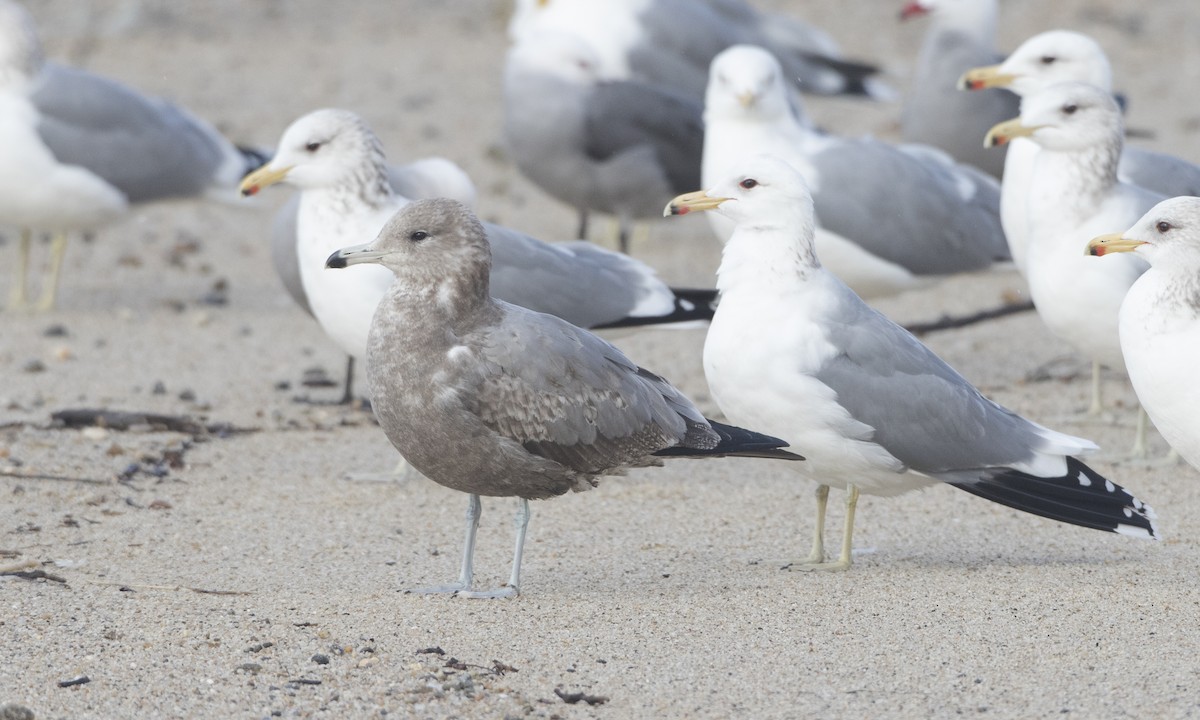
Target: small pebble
94,433
55,330
34,366
159,388
12,711
320,659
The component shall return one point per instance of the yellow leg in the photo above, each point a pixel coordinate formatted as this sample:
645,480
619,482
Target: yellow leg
817,556
845,560
58,250
18,298
1097,400
1138,451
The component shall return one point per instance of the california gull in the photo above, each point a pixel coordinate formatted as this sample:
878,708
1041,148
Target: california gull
338,164
1074,194
77,149
493,399
891,217
961,36
1160,318
671,42
1044,60
613,146
793,351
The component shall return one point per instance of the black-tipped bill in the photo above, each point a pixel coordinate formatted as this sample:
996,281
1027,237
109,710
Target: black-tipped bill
353,256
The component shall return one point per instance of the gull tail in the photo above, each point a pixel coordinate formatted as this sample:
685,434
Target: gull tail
1081,497
734,441
691,306
854,78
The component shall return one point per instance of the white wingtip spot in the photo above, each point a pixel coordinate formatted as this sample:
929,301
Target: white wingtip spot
1138,532
1084,480
687,305
1108,485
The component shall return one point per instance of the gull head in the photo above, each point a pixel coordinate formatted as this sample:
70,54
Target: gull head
426,243
1169,234
323,149
746,81
20,48
760,191
557,54
1043,60
1066,117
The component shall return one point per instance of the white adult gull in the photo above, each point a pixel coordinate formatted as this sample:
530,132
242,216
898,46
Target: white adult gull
961,36
671,42
1047,59
613,146
890,217
1160,318
77,149
794,352
493,399
337,162
1074,194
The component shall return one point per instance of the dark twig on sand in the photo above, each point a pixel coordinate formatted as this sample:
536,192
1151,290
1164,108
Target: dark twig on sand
951,323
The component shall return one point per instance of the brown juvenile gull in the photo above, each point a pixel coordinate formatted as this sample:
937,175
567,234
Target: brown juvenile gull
493,399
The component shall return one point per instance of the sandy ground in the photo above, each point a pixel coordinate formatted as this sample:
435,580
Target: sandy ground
250,571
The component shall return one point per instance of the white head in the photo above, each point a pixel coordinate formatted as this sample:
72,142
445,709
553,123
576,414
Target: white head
325,149
1055,57
20,48
1066,117
557,54
746,81
1167,236
761,193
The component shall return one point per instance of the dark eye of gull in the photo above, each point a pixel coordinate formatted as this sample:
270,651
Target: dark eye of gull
748,183
313,147
1048,59
1163,226
418,236
1070,109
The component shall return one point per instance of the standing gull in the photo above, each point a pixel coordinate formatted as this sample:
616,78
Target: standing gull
894,217
671,42
1074,194
1047,59
961,36
795,352
492,399
339,166
77,149
617,147
1160,318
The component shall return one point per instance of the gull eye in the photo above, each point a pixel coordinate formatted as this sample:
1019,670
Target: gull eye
749,183
1048,59
418,236
1070,109
312,147
1163,226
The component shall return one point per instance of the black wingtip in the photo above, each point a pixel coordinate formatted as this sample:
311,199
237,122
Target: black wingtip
738,442
1081,497
336,261
253,159
691,305
855,75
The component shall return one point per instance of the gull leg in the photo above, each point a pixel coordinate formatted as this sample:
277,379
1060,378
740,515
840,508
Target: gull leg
467,570
843,562
583,224
18,298
348,385
817,556
623,233
1138,450
58,250
513,588
1097,407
